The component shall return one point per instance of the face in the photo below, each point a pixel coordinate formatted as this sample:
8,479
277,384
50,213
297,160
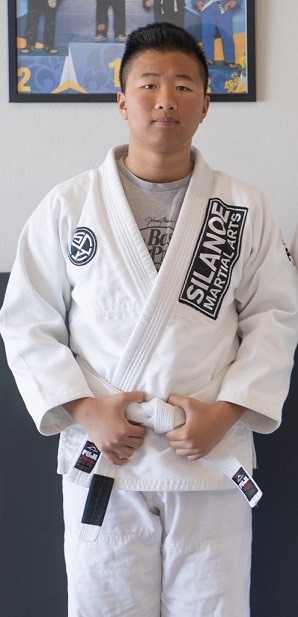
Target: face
164,101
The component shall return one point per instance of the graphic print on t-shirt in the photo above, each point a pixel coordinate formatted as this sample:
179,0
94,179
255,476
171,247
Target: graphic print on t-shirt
157,235
155,208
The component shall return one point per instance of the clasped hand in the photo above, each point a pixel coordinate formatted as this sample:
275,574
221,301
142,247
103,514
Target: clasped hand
205,426
116,437
105,424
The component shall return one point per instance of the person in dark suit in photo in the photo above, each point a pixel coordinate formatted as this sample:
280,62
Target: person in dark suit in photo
37,8
167,10
102,19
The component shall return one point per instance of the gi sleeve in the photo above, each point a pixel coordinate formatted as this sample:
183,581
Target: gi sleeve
267,305
33,319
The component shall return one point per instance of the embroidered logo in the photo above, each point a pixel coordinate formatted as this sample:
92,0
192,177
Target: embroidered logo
217,250
83,246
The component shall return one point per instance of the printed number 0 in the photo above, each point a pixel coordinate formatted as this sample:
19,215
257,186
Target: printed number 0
24,73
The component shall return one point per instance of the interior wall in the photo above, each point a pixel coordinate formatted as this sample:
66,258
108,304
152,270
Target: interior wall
45,143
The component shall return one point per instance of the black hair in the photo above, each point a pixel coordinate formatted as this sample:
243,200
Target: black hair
162,37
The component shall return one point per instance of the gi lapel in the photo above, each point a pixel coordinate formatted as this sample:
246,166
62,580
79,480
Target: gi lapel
161,291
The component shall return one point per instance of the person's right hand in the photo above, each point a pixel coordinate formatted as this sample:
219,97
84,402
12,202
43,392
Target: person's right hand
106,426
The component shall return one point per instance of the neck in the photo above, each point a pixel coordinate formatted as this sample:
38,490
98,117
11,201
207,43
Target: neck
159,168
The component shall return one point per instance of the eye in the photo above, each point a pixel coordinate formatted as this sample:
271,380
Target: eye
149,86
183,88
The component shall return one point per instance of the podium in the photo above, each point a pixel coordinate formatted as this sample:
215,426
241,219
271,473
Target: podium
84,67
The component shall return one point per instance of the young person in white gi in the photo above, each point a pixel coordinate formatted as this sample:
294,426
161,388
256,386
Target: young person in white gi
155,286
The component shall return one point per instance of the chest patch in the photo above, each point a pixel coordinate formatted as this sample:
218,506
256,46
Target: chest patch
83,246
217,250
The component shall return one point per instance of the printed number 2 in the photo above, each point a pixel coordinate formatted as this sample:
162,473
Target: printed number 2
116,66
24,73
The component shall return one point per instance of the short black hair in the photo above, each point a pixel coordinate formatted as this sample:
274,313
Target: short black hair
163,37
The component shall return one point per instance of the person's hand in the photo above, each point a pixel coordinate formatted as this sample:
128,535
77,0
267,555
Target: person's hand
230,5
200,5
205,426
106,426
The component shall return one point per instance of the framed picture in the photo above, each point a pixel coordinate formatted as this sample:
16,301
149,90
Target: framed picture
70,50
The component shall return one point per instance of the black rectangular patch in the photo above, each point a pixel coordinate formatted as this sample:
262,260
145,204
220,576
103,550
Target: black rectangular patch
97,500
217,250
88,457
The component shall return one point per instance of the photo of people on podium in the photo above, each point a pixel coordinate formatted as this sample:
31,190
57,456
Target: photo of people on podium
75,46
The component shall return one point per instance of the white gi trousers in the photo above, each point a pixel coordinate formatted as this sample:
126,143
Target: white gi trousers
160,554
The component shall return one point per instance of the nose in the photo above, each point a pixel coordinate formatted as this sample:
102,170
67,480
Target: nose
166,100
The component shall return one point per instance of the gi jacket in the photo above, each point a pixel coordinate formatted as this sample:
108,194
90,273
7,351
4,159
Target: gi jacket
86,314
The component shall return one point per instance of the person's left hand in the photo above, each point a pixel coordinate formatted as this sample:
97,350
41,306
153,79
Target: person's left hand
205,426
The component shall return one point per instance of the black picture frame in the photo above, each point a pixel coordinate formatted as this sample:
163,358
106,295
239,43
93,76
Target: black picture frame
83,70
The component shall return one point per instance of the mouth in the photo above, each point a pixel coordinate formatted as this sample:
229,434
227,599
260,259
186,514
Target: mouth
166,121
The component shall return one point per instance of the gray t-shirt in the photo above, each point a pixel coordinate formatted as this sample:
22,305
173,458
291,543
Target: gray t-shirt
155,208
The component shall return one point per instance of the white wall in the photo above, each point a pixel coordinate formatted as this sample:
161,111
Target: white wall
45,143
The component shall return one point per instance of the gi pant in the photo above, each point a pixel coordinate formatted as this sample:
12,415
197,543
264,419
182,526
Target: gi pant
169,554
211,20
102,16
169,10
37,8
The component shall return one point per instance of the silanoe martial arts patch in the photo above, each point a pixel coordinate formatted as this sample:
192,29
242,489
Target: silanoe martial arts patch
83,246
88,457
217,250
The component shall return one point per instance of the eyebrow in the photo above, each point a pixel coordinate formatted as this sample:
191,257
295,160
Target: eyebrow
178,76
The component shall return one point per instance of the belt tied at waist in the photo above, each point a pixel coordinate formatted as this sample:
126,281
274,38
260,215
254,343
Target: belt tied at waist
92,468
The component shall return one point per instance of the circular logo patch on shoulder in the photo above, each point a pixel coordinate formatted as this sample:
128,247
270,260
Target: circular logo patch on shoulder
83,246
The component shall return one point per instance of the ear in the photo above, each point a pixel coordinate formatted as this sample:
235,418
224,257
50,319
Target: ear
122,104
205,107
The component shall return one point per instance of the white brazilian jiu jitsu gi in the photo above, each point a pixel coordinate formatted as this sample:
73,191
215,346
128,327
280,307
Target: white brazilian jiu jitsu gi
226,276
